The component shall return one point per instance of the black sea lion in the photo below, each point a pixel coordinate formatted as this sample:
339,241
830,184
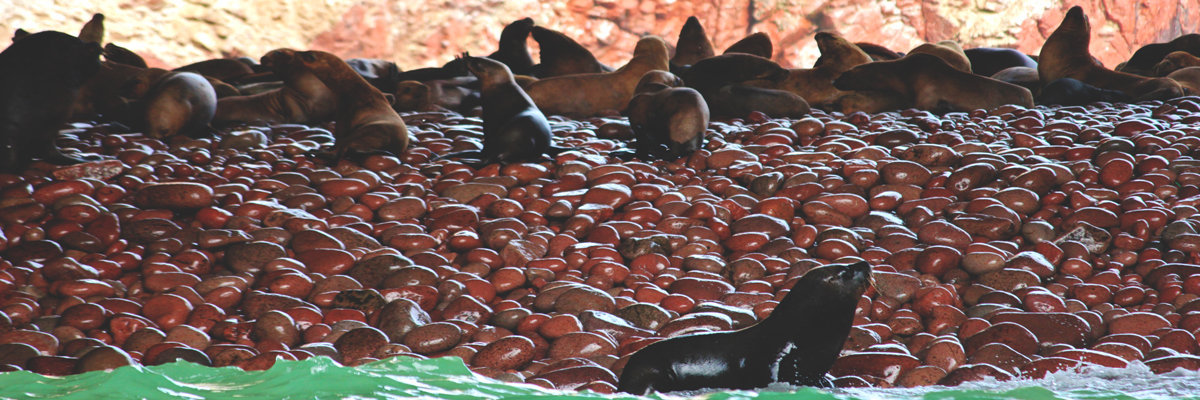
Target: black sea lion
1065,55
987,61
303,99
589,94
365,121
40,77
668,121
560,55
928,82
757,43
1143,60
1072,92
514,129
382,74
796,344
693,45
512,49
93,30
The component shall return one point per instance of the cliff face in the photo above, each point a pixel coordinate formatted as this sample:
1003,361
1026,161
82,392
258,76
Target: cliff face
428,33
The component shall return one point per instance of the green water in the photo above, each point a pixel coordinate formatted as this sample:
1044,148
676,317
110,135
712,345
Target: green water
448,378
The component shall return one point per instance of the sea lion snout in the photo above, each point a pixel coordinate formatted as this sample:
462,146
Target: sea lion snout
859,271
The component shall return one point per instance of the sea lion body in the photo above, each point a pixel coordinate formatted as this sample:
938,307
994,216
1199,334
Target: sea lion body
560,55
513,128
303,98
1025,77
381,74
121,55
869,101
757,43
1065,55
179,103
412,96
815,84
736,84
1189,78
877,52
589,94
948,51
668,121
1143,60
796,344
512,50
929,83
365,121
1175,61
1072,92
987,61
223,69
40,77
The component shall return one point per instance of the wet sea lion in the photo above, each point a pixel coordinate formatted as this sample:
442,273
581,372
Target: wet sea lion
121,55
693,45
757,43
815,84
1072,92
514,129
560,55
1065,55
1175,61
365,121
93,30
668,121
928,82
948,51
1143,60
589,94
40,77
179,103
987,61
796,344
303,99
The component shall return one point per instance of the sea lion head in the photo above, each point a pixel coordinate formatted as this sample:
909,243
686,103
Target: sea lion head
1174,61
411,96
489,71
73,59
656,80
517,30
693,44
652,47
278,58
835,283
836,51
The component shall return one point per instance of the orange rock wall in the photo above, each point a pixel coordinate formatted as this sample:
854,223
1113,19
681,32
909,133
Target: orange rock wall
428,33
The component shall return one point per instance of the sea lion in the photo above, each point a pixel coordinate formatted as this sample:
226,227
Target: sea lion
412,96
693,45
928,82
223,69
987,61
796,344
589,94
19,34
365,121
512,50
40,77
1143,60
815,84
1175,61
668,121
948,51
738,101
736,84
1025,77
121,55
179,103
868,101
757,43
514,129
93,30
1072,92
560,55
303,99
1189,78
381,74
1065,55
877,52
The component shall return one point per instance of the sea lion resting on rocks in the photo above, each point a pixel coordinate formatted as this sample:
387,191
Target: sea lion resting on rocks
1025,77
927,82
1189,78
514,129
40,77
815,84
381,74
948,51
590,94
757,43
1143,60
1175,61
736,84
365,121
987,61
796,344
178,103
1065,55
303,99
668,121
877,52
1072,92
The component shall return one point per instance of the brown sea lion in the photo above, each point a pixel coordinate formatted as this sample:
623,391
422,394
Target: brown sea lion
693,44
590,94
121,55
868,101
736,84
928,82
93,30
1175,61
179,103
514,130
1143,60
365,121
1189,78
40,77
1025,77
815,84
757,43
1065,55
412,96
102,93
877,52
948,51
987,61
797,344
560,55
668,121
223,69
303,99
